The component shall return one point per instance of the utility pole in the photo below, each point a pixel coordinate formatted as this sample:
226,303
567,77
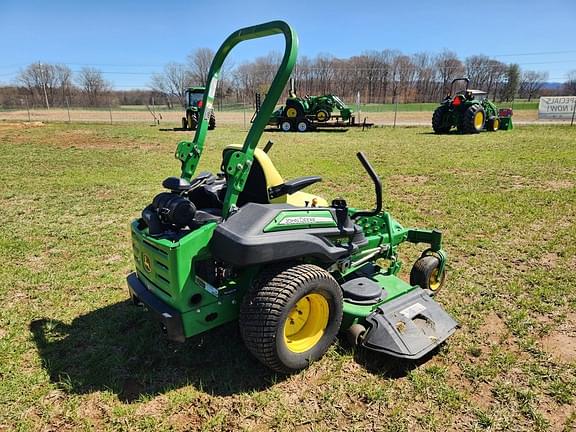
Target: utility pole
44,85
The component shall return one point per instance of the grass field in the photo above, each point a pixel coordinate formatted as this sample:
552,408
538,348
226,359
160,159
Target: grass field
74,355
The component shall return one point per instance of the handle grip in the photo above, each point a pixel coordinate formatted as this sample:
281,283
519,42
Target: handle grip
377,187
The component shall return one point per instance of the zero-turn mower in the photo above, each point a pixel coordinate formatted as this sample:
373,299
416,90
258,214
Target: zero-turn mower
246,245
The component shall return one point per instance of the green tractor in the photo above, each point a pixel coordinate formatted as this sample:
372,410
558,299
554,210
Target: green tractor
303,114
246,245
469,111
193,97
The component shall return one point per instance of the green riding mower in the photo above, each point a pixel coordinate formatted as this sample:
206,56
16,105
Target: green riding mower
469,111
193,97
294,270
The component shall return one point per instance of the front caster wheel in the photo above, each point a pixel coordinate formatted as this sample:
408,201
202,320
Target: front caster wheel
426,274
355,334
291,316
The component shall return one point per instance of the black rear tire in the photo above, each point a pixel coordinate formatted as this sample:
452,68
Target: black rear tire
212,121
471,123
192,120
438,120
272,304
293,109
184,123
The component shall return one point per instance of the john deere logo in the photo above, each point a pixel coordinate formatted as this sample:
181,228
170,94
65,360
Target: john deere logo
146,262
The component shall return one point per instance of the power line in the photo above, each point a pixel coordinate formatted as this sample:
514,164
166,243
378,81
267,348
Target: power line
534,53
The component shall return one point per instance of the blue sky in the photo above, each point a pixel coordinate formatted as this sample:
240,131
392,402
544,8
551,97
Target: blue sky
130,40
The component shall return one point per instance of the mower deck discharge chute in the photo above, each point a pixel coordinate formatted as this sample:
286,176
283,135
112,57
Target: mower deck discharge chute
294,270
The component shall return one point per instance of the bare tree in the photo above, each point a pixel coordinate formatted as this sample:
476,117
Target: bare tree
63,77
531,83
510,88
92,85
199,63
173,81
449,67
569,86
40,80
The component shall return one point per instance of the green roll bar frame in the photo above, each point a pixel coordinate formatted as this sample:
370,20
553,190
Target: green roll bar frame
240,162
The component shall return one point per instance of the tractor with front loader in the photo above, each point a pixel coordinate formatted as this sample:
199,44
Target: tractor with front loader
294,270
469,111
193,99
301,114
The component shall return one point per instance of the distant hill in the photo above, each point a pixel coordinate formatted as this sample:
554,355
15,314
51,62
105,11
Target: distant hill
552,85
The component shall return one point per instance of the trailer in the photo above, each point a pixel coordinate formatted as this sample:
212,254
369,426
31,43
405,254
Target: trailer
312,113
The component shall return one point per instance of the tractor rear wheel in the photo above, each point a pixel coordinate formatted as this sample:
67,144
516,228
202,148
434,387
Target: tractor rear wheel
192,120
184,123
291,315
425,273
212,121
474,119
293,109
438,120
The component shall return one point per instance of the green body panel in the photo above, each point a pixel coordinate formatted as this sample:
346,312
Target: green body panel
172,278
394,286
301,219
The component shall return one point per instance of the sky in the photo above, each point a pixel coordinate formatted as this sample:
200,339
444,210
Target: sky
130,40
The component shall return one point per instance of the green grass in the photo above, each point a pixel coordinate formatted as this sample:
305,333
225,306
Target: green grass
75,355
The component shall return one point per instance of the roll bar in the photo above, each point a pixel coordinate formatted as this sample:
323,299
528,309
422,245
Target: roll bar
240,162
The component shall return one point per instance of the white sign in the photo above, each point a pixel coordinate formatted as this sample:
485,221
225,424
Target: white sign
556,107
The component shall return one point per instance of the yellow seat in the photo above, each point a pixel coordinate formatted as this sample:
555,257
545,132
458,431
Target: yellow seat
264,175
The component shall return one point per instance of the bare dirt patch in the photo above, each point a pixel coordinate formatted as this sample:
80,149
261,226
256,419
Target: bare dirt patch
556,185
409,180
561,346
561,343
494,329
403,118
19,125
549,260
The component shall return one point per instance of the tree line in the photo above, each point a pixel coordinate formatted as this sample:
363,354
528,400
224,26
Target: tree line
386,76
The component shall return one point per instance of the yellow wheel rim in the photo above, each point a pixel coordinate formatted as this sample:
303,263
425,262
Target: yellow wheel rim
291,112
321,116
478,120
496,124
435,281
306,323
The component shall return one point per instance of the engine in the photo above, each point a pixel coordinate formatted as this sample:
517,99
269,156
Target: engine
187,206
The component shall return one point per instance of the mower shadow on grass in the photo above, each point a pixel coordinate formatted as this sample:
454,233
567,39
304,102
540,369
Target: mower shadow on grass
381,364
116,348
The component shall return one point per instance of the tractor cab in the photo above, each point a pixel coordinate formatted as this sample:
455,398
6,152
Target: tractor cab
193,100
193,96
